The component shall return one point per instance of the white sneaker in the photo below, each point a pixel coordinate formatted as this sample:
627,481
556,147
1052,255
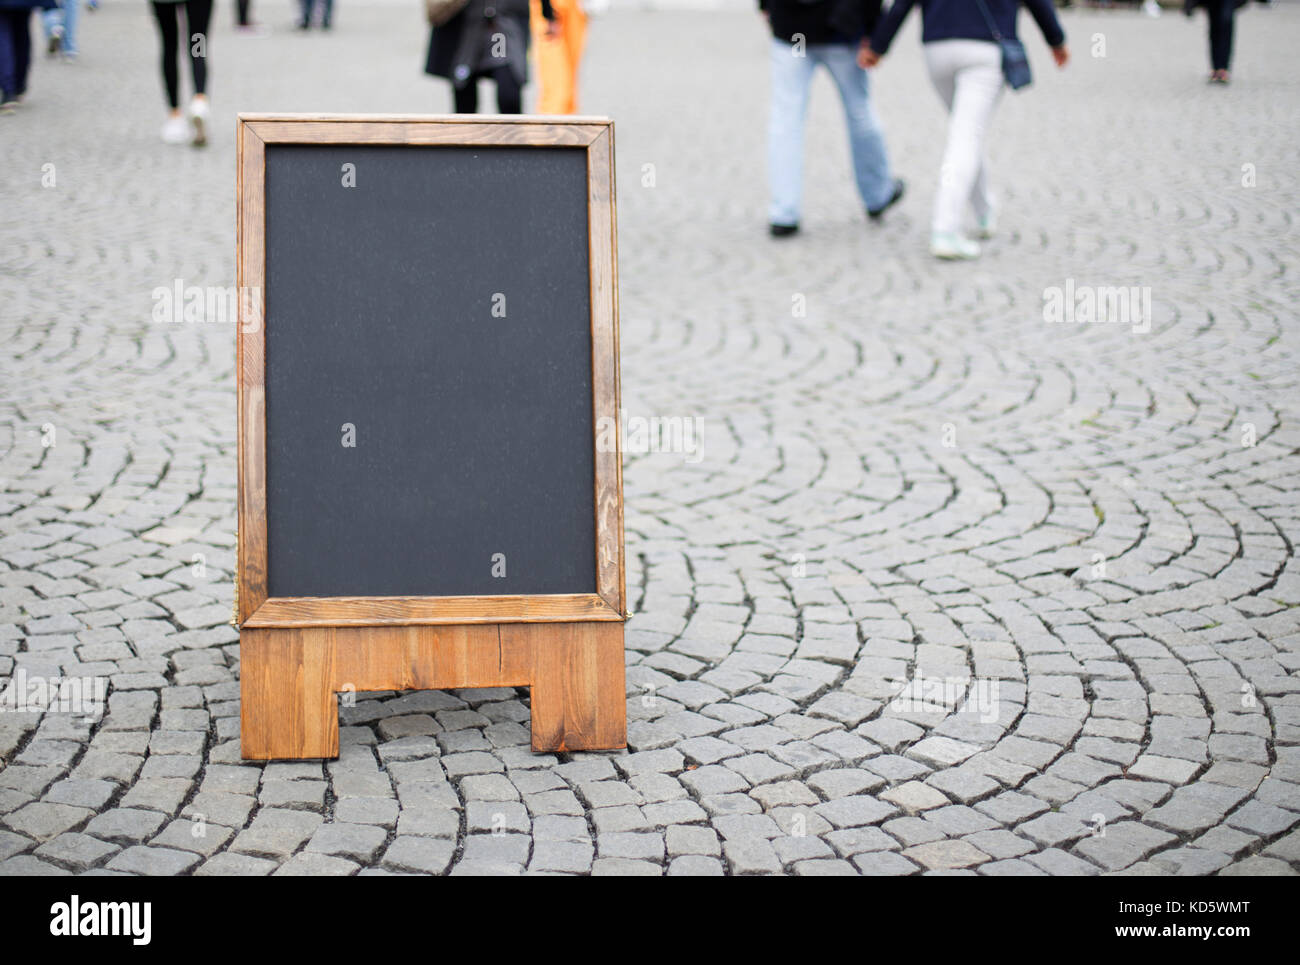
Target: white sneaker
987,225
199,113
950,246
175,131
1151,8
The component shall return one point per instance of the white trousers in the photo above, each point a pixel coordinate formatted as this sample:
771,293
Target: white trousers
968,76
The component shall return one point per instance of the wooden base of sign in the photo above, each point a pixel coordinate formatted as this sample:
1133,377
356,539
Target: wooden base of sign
290,678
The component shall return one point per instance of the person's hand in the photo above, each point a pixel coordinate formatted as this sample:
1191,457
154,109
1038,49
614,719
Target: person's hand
1061,55
867,58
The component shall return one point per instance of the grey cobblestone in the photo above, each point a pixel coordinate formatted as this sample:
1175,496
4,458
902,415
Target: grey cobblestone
574,857
75,851
153,861
309,863
419,855
916,479
230,864
695,865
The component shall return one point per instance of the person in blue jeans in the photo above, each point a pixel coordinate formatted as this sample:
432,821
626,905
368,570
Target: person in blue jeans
61,29
308,6
804,35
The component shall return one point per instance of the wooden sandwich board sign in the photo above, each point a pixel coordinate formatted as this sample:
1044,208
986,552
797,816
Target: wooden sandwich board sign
427,377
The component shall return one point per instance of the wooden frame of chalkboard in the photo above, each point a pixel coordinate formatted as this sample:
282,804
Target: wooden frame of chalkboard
297,652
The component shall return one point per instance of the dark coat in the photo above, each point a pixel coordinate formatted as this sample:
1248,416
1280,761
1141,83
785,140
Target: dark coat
964,20
1190,5
821,21
462,48
28,4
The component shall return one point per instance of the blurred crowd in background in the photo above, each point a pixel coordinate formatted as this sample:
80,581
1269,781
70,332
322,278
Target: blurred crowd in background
972,52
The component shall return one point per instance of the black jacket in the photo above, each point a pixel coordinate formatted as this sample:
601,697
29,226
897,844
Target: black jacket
460,49
1191,5
964,20
821,21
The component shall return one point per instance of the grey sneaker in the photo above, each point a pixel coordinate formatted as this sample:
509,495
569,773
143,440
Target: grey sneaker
953,247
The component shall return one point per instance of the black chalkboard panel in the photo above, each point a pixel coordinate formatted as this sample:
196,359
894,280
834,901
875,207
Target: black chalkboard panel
473,433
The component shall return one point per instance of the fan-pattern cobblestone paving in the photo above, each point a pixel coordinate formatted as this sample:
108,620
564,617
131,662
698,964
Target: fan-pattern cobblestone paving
1071,544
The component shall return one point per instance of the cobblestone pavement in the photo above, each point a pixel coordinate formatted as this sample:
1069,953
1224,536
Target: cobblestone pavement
1083,531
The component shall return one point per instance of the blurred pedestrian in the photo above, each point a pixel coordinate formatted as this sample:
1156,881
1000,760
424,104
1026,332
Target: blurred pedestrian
308,8
244,23
559,53
1221,14
805,35
60,25
196,15
16,49
965,43
485,38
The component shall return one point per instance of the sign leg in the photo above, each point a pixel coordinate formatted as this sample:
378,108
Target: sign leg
578,697
288,710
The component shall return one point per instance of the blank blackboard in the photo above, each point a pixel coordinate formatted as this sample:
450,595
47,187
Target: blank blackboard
473,433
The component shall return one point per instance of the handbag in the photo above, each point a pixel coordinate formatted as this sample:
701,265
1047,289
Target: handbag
440,11
1015,62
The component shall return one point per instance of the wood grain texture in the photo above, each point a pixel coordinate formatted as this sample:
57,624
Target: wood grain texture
483,120
604,371
250,368
254,608
618,375
289,679
578,689
426,658
287,705
455,129
298,653
358,611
